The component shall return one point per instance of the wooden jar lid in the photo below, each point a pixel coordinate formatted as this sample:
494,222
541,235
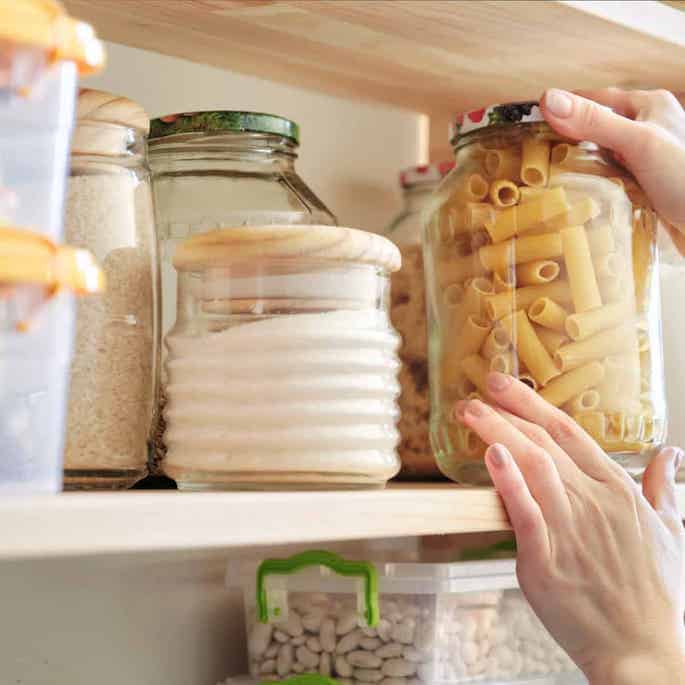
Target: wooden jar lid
227,246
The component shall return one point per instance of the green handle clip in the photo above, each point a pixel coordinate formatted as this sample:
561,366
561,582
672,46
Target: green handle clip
359,569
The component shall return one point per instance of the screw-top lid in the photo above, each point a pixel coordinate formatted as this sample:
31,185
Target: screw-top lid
45,24
224,122
99,106
496,115
424,173
250,244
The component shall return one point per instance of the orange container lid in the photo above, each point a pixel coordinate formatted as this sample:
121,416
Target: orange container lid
30,258
45,24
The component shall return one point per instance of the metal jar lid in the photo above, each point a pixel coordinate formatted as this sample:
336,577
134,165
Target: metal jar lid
224,122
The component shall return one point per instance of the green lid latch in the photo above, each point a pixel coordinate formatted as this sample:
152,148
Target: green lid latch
367,601
303,679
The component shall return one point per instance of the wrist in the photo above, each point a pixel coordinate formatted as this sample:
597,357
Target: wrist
665,666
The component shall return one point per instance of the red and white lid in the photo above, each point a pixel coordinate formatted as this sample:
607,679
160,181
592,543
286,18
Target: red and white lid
425,173
510,114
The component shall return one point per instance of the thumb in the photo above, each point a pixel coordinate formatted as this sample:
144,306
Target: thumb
582,119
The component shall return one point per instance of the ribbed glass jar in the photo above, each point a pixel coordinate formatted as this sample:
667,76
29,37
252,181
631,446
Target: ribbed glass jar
541,262
282,367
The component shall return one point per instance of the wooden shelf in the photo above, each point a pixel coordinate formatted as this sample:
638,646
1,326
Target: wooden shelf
94,523
98,523
432,56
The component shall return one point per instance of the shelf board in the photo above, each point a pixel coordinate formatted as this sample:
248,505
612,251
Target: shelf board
95,523
105,523
432,56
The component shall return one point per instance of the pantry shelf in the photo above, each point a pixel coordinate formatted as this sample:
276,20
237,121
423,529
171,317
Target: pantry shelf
94,523
432,56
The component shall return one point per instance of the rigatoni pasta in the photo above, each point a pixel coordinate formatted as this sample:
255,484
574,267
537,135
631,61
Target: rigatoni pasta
550,277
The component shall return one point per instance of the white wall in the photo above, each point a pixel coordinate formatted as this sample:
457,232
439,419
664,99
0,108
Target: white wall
351,153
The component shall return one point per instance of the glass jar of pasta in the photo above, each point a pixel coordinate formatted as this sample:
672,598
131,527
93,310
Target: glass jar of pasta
408,315
541,262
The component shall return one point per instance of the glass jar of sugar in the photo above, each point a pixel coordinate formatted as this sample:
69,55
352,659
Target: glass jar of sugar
216,169
109,212
282,365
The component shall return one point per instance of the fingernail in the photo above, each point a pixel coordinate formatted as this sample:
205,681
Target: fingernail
459,409
498,381
498,455
474,408
558,103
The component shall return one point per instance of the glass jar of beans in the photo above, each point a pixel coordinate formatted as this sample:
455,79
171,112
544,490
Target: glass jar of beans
541,263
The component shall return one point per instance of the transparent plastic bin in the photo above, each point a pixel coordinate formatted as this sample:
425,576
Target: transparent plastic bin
38,283
34,373
35,129
42,52
453,623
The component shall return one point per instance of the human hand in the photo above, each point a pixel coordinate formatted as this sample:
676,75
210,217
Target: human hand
646,132
602,564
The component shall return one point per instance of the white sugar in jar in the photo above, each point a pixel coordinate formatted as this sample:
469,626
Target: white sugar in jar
282,365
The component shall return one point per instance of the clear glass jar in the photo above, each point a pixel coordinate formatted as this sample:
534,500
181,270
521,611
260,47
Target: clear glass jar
281,368
541,262
220,169
408,315
113,373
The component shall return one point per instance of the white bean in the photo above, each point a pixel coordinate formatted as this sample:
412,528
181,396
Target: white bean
271,652
314,645
371,644
285,660
342,667
404,631
312,620
396,668
325,665
389,651
298,641
280,636
327,635
306,658
346,623
349,642
368,676
298,668
384,628
363,659
268,666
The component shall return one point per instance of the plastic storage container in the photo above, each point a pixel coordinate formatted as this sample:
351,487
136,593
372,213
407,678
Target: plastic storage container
542,263
42,51
408,316
37,286
418,623
282,366
109,211
213,170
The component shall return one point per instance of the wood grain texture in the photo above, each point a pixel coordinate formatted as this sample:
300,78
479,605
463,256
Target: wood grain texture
325,243
90,523
426,55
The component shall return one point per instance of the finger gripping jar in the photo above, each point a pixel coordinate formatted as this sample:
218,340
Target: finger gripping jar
541,263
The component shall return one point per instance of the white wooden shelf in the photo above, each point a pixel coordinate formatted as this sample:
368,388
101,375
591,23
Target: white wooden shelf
432,56
97,523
